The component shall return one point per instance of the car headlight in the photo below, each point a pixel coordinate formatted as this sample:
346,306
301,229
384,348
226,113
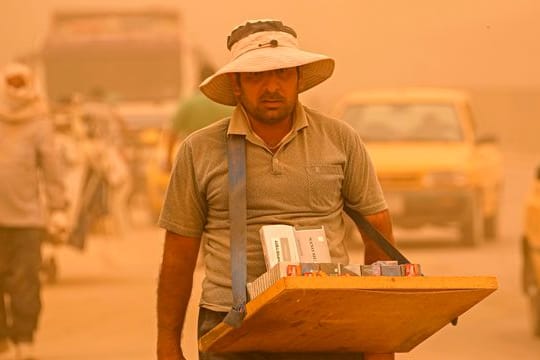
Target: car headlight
445,178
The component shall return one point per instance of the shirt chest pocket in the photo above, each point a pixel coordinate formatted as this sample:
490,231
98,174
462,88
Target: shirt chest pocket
324,185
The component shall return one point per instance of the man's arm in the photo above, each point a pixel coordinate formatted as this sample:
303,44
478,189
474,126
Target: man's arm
382,222
174,290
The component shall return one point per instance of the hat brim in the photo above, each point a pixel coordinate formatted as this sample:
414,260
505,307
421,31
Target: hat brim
315,68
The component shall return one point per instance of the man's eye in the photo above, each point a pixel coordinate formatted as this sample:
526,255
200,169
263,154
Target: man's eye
285,72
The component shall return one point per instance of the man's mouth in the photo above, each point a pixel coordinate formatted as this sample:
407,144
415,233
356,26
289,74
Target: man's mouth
272,101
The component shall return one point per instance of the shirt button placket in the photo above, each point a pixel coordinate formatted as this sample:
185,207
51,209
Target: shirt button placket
275,165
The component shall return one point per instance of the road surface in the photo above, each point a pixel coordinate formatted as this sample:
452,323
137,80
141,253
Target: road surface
103,306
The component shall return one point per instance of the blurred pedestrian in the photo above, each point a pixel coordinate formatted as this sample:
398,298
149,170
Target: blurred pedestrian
302,168
28,165
104,148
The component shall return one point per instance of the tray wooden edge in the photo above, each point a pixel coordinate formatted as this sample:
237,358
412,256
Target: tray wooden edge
390,283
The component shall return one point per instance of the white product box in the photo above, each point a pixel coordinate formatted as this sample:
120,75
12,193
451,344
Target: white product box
279,244
312,245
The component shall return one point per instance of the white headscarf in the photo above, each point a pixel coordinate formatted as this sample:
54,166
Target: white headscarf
22,102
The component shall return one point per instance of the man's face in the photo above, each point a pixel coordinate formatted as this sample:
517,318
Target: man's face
268,96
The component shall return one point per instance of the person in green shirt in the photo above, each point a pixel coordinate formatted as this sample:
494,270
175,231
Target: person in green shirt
194,113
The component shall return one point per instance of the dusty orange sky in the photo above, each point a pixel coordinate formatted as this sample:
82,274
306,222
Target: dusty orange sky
451,42
479,44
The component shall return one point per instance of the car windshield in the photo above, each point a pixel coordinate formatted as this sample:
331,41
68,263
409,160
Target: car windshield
404,122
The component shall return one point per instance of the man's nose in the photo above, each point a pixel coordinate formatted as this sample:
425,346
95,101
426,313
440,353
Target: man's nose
272,80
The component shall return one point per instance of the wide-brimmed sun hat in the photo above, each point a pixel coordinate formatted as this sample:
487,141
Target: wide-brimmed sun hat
262,45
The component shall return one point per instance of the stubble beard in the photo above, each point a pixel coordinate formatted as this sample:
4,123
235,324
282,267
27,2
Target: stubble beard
273,115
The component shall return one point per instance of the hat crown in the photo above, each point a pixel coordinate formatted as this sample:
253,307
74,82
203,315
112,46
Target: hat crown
263,45
254,26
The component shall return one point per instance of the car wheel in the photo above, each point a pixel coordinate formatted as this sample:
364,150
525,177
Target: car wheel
472,225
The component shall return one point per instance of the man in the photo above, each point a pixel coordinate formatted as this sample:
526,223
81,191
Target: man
301,168
27,154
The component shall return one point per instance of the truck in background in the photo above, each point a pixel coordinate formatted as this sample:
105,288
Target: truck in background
137,59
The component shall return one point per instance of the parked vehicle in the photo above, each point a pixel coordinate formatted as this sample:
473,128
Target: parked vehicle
433,166
531,252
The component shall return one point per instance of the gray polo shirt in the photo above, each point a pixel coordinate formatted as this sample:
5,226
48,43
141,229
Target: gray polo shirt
320,166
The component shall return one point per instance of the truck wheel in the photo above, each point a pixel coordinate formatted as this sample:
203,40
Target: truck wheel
472,226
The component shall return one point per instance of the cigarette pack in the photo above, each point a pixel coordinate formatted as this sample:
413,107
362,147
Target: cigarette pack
371,269
312,245
410,270
290,244
322,269
279,244
268,279
389,268
284,269
350,270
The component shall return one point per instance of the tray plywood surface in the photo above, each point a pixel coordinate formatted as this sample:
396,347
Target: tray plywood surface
369,314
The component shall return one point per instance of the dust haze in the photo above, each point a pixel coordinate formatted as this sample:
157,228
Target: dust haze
489,48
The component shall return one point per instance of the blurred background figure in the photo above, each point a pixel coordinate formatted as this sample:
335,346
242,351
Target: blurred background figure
194,113
104,149
28,164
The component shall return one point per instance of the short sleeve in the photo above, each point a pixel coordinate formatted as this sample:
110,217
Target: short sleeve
184,209
361,188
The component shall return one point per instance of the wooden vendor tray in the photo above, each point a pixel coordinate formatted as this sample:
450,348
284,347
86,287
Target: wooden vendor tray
377,314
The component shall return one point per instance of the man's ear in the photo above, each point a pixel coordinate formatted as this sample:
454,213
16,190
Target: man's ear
234,78
299,76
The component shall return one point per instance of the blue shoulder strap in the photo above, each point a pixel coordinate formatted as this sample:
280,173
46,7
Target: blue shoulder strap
374,234
236,157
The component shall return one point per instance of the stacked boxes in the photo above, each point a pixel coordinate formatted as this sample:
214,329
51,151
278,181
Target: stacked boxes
290,251
290,244
284,269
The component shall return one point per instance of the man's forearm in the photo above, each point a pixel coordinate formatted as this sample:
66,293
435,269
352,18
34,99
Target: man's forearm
174,291
383,223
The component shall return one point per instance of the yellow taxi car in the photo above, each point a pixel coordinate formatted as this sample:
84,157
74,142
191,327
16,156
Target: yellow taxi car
531,252
433,167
